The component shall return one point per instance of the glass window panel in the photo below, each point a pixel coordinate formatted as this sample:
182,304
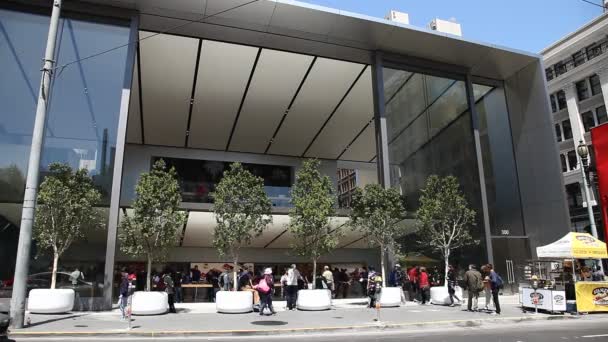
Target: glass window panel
85,103
572,160
562,159
561,99
596,85
578,58
558,132
448,107
405,106
581,90
588,121
600,113
567,128
553,105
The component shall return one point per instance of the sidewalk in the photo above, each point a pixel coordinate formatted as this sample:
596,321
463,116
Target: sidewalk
194,319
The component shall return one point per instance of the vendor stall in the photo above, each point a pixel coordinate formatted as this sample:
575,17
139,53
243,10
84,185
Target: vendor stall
574,248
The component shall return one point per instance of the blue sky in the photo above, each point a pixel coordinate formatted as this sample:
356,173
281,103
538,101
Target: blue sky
529,25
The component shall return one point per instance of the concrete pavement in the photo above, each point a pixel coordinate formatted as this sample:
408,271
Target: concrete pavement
192,320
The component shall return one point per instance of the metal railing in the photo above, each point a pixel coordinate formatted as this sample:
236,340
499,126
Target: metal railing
570,63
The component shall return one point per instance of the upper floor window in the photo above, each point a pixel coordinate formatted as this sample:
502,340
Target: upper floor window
588,120
575,197
560,68
558,132
549,73
582,91
594,50
596,85
567,128
572,160
578,58
600,113
562,159
561,99
553,105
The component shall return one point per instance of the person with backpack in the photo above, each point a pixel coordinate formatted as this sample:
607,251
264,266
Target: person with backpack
474,285
497,284
266,288
374,286
170,290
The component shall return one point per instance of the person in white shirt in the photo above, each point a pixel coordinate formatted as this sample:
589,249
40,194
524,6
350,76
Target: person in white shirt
293,275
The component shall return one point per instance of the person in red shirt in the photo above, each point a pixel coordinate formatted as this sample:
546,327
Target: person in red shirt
412,274
425,286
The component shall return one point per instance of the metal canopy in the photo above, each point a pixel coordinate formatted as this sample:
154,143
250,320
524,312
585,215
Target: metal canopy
197,93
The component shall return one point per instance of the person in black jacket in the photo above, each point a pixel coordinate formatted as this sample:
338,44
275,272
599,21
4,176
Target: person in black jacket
452,283
124,293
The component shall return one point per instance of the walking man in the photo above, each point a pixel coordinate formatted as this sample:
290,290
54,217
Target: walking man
497,284
452,283
293,275
474,284
170,290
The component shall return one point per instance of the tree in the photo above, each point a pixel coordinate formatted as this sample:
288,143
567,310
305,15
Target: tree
65,209
378,213
444,218
242,212
313,205
156,222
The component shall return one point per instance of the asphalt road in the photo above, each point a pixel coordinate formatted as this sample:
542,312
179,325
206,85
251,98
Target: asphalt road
592,329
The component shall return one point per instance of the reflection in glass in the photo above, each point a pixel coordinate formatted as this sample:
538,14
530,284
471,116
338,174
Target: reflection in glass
429,132
502,189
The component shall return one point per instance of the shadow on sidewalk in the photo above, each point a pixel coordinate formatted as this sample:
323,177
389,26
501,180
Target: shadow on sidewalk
60,318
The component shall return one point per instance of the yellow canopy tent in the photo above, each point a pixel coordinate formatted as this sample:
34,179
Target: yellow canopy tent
574,246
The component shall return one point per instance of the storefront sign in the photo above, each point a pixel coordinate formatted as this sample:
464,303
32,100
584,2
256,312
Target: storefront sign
592,296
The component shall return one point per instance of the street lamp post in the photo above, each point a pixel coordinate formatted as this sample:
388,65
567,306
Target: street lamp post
583,153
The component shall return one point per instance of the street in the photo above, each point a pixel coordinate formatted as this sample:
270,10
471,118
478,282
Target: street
590,329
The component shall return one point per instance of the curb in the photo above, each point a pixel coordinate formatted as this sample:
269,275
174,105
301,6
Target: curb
266,332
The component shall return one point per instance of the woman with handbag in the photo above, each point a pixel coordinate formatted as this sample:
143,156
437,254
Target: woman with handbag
265,289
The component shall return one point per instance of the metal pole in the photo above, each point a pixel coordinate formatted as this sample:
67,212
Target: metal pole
589,205
31,185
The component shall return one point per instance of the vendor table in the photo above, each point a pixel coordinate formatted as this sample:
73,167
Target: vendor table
549,300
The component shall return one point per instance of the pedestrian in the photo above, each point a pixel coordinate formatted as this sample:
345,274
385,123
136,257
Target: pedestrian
75,276
487,286
293,276
170,289
452,283
395,278
425,286
124,294
329,280
344,283
195,274
474,285
497,285
284,278
363,277
225,280
374,287
413,275
177,281
266,288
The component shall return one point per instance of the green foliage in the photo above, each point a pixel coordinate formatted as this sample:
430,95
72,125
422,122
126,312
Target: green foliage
65,209
378,213
156,221
242,210
444,218
313,205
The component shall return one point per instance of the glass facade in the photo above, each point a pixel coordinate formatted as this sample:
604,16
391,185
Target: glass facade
198,178
430,132
82,122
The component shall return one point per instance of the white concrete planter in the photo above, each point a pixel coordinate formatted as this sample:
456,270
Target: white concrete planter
314,300
390,297
149,303
234,301
440,295
47,301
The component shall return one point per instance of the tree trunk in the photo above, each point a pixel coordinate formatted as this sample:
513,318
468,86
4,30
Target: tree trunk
382,265
446,255
314,273
54,274
149,274
234,275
